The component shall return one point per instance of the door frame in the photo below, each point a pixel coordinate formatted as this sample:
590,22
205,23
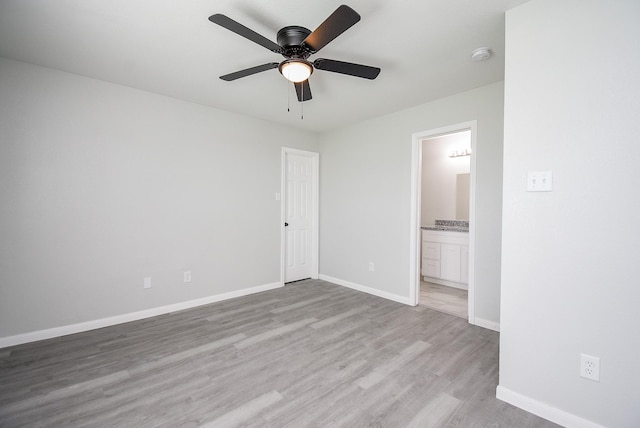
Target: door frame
415,215
315,181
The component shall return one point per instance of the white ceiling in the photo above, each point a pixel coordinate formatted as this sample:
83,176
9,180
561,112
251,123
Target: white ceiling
169,47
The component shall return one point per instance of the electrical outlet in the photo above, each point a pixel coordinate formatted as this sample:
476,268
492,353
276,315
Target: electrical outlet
187,276
372,267
147,282
590,367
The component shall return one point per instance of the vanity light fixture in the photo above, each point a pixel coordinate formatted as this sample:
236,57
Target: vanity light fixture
296,70
460,153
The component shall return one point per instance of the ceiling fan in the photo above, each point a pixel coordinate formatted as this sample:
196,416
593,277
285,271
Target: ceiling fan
297,44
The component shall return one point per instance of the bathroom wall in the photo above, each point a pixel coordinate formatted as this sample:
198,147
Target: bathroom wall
440,175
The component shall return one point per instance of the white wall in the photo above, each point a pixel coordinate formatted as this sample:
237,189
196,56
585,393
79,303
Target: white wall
570,257
439,176
102,185
365,195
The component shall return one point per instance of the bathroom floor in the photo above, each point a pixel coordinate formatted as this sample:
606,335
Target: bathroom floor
445,299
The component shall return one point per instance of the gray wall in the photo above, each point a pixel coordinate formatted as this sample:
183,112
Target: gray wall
365,195
102,185
570,257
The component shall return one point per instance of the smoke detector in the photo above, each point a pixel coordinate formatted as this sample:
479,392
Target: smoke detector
481,54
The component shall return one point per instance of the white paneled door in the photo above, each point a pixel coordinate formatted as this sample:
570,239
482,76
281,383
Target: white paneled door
300,215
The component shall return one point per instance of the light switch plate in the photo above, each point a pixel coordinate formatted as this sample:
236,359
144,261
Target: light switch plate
539,181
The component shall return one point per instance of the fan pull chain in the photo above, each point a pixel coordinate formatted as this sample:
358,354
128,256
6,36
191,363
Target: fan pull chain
288,97
302,102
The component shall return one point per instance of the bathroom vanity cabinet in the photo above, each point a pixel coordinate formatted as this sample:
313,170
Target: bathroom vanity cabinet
445,257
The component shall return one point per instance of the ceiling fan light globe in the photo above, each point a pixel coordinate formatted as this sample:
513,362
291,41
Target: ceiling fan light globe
296,70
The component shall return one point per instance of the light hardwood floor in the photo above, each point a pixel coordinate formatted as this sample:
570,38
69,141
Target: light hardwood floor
311,354
449,300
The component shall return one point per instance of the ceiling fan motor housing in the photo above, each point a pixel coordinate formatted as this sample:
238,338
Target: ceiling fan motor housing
291,38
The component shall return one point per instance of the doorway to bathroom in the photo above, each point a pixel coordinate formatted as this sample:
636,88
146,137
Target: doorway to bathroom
443,199
446,171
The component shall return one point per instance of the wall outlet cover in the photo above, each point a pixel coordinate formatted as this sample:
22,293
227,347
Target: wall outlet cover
590,367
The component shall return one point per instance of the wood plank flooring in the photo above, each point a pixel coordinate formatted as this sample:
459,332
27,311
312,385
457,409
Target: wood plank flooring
449,300
311,354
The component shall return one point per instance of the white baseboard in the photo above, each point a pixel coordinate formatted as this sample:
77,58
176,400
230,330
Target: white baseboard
491,325
365,289
457,285
543,410
133,316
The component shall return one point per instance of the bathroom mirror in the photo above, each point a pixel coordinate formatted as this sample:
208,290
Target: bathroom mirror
463,186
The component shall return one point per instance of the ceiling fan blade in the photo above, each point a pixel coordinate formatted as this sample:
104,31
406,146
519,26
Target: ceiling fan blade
357,70
337,23
303,90
247,33
249,71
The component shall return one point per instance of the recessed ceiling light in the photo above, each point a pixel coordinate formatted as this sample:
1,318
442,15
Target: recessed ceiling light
481,54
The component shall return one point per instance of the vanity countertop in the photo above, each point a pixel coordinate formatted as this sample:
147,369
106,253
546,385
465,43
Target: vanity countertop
449,226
